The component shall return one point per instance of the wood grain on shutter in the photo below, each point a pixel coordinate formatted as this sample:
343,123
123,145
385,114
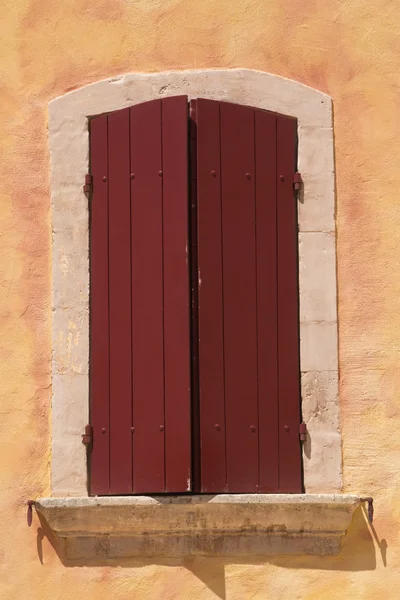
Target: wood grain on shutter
267,315
99,311
147,298
210,290
120,303
176,294
288,313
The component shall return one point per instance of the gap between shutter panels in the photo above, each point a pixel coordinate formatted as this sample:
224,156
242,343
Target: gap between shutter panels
222,451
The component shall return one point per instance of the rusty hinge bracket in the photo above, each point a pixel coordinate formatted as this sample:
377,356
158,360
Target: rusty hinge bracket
297,181
303,432
87,188
370,507
87,437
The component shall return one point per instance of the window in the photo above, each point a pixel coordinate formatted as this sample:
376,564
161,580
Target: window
69,119
194,300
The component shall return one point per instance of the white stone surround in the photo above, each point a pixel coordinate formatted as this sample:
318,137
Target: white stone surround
69,150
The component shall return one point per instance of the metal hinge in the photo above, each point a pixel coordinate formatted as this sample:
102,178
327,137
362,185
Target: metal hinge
87,437
303,432
87,188
297,181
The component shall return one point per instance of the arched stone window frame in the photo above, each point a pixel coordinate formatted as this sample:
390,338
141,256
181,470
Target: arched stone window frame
69,152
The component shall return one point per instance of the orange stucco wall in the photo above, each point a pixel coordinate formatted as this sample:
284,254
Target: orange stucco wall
349,49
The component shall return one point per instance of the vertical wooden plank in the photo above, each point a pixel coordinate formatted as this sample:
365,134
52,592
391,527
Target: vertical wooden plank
288,313
120,303
147,298
210,305
194,300
240,299
99,315
267,315
176,294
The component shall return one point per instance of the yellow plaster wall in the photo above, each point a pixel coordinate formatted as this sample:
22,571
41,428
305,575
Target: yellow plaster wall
347,48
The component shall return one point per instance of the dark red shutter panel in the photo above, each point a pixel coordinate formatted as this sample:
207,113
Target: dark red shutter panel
147,295
110,319
239,289
176,294
248,334
267,308
99,310
119,212
196,459
288,313
210,298
140,338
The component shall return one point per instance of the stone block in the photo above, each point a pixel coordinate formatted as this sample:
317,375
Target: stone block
317,277
318,346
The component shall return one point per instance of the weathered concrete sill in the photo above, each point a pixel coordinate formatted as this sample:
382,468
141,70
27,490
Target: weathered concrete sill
245,524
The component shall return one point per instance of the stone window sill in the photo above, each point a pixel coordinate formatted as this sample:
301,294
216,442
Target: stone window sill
226,524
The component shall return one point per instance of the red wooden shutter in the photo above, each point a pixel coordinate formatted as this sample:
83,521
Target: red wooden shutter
140,339
248,300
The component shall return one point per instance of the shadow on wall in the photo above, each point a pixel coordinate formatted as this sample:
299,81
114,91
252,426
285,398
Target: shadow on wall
357,554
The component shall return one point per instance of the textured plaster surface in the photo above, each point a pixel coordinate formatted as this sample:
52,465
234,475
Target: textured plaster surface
69,146
349,50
